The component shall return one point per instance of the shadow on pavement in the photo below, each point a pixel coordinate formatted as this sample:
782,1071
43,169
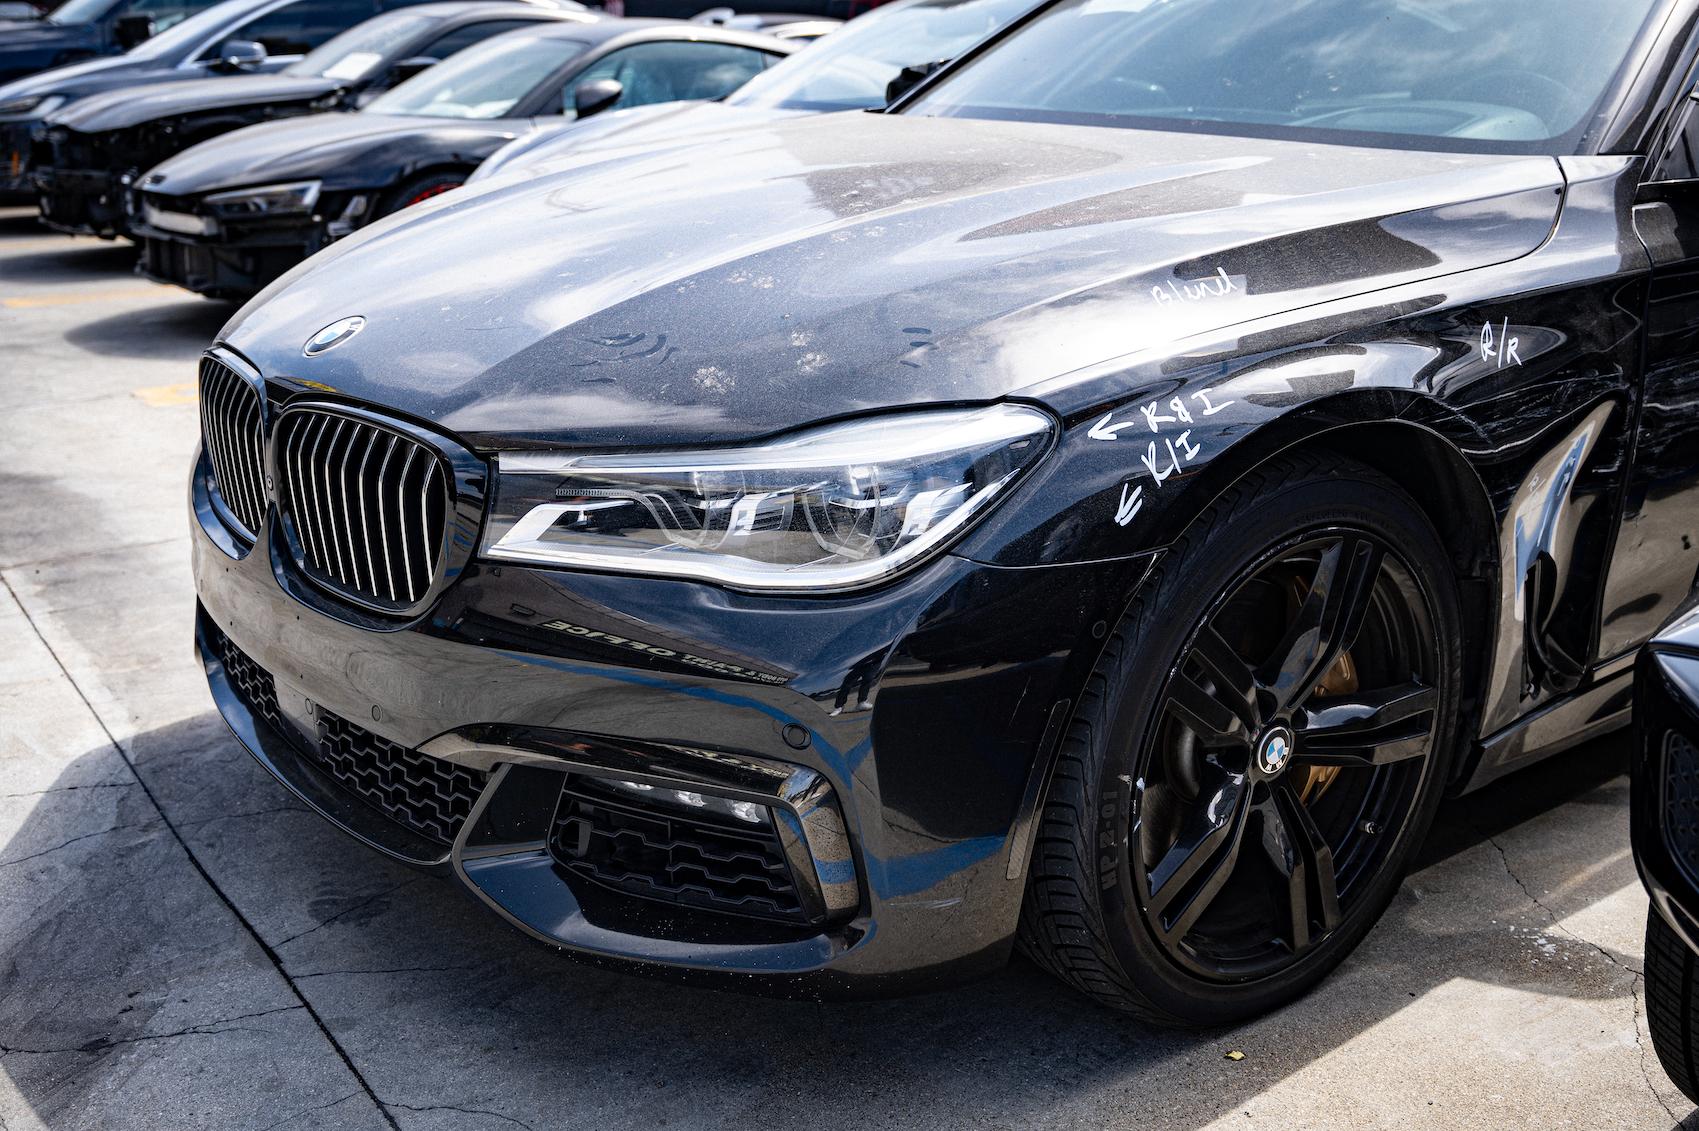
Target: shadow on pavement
407,972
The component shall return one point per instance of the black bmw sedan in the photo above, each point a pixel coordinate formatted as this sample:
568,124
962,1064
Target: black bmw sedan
1102,503
85,156
230,215
217,41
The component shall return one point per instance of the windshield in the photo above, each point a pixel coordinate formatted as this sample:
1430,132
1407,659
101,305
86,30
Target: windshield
849,69
484,81
183,37
79,11
361,49
1492,75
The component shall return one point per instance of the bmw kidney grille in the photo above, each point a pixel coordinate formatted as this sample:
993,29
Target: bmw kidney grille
232,425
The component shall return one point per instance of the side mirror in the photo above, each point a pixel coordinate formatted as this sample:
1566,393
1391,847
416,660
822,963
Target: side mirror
910,77
130,31
240,54
596,95
407,68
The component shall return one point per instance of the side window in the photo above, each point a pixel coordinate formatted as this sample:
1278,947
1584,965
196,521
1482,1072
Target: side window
164,13
671,71
449,42
1681,161
297,28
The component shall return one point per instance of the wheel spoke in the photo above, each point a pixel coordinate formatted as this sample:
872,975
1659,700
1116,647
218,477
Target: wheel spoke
1301,856
1372,728
1209,715
1192,873
1328,620
1235,683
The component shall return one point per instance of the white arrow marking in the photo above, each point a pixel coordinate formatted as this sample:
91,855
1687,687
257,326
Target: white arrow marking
1130,506
1103,430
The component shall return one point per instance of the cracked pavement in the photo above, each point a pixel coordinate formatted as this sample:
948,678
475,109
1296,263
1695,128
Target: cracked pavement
183,946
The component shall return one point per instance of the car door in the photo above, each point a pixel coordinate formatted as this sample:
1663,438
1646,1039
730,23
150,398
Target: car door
670,71
1656,562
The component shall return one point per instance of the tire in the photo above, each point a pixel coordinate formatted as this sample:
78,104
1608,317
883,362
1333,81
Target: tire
419,189
1139,923
1672,1003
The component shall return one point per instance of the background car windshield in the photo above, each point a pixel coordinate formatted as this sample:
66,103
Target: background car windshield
481,82
358,51
78,11
184,36
849,69
1497,75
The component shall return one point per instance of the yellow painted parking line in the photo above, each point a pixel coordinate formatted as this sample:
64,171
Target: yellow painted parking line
27,302
164,396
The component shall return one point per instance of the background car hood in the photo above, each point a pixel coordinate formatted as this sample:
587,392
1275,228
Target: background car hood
90,77
119,109
356,150
32,35
849,262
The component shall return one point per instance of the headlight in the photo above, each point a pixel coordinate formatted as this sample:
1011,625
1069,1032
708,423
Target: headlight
31,106
266,200
829,508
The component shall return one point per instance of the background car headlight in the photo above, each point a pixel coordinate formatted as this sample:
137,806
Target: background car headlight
832,507
266,200
31,106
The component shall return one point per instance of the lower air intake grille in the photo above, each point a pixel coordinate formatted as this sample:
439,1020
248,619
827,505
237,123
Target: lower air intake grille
369,507
660,854
232,430
1681,802
427,795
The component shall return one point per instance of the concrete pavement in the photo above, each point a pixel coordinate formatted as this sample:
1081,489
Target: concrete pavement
182,946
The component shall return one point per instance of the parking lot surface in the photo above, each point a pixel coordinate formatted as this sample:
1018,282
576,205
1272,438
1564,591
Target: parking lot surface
183,946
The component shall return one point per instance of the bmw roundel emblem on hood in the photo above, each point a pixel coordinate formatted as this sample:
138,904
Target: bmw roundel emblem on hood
333,335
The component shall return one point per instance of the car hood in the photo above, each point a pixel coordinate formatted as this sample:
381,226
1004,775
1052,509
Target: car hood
850,262
120,109
91,76
358,150
32,35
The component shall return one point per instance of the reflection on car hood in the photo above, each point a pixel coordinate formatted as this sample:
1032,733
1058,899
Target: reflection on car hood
344,150
847,262
32,34
90,76
641,125
120,109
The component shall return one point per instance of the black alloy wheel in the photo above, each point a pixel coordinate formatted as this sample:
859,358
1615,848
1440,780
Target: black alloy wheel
1259,751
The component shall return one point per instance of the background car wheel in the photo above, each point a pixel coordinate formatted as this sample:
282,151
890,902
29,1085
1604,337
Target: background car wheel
1258,752
420,189
1672,1011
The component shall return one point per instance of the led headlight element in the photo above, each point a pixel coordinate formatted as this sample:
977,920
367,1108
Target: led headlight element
833,507
266,200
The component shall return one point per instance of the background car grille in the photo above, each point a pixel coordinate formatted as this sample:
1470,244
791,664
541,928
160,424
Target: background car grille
232,429
1681,802
663,855
368,506
427,795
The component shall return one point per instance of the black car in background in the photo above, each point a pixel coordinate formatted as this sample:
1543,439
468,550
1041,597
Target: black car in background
232,38
1665,825
85,157
1104,501
230,215
85,29
862,67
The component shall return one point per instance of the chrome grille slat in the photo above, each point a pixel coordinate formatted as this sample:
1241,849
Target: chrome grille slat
357,491
232,419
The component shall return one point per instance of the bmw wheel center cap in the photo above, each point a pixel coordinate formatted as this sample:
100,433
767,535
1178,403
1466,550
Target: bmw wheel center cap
1275,750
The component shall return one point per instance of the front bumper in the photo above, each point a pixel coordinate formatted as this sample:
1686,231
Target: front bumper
1664,814
918,717
227,263
81,202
